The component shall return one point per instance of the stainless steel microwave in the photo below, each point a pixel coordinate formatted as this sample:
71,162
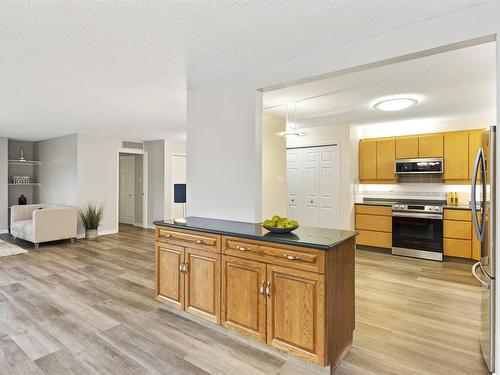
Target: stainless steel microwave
424,165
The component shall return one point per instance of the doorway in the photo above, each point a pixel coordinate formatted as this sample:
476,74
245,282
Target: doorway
132,188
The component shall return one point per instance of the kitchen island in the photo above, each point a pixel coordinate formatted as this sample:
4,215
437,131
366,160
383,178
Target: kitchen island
294,292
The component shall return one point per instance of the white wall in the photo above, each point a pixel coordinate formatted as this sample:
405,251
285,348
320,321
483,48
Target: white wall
224,151
139,180
221,117
171,149
58,172
156,180
424,126
274,169
4,178
97,176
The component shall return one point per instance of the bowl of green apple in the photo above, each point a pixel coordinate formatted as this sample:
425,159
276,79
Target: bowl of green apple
280,225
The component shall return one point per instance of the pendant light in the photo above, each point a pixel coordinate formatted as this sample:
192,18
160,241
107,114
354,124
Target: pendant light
291,127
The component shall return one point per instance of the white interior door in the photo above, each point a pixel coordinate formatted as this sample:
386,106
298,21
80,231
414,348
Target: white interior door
313,186
127,189
329,187
294,162
310,187
178,177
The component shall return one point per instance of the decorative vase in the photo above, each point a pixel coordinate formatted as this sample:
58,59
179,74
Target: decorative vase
90,234
22,200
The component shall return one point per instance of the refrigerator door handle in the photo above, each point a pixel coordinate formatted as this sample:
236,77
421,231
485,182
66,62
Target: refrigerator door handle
479,228
474,272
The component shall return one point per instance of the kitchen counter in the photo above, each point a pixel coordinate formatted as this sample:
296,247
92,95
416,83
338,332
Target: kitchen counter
458,207
294,292
315,238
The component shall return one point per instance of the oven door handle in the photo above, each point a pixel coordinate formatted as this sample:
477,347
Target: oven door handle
418,216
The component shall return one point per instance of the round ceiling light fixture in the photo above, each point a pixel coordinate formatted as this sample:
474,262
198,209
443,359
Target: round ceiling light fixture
395,104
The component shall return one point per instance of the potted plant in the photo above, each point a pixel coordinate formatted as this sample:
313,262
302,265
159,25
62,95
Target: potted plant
91,217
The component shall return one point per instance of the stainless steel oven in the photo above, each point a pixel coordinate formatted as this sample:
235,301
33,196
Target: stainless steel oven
417,231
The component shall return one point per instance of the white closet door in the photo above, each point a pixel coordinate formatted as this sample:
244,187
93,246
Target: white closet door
310,187
313,186
329,183
294,165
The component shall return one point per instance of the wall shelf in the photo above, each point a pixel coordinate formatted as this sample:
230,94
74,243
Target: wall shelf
32,184
25,162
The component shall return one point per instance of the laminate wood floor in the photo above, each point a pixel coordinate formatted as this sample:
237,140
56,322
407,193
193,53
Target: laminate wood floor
88,308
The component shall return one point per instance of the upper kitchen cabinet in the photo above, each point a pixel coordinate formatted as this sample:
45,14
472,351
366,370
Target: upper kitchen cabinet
386,157
368,160
430,146
474,146
407,148
456,156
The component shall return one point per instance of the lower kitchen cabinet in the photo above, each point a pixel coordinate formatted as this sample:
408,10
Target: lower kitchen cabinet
278,305
169,277
189,279
294,298
244,297
295,312
202,284
374,224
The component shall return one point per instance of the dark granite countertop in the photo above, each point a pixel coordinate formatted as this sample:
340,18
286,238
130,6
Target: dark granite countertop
316,238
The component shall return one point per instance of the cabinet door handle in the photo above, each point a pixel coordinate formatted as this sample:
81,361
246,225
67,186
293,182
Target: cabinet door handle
200,242
263,288
168,235
181,267
186,268
242,248
268,289
291,257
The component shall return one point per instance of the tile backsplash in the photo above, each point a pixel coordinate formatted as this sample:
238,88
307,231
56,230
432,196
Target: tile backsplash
420,178
421,190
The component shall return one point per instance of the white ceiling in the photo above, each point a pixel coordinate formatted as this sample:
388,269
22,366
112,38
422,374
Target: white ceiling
449,85
122,68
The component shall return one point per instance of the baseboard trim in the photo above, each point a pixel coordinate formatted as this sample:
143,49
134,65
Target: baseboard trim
4,231
106,232
149,226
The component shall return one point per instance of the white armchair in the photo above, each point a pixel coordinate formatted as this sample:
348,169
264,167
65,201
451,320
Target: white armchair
39,223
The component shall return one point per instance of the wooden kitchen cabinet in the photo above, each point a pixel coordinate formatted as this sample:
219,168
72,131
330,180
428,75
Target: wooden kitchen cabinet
386,157
202,284
296,312
244,297
368,160
457,233
456,156
374,224
430,146
187,278
407,148
169,278
299,299
474,146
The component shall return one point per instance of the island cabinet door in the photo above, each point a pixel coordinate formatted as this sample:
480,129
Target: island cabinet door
169,278
296,312
243,297
202,284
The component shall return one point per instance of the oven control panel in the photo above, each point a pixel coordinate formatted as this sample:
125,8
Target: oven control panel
417,208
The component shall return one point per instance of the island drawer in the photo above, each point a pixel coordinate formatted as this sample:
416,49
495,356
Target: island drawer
192,239
291,256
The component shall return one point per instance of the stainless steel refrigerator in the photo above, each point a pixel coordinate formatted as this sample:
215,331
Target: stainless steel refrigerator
483,208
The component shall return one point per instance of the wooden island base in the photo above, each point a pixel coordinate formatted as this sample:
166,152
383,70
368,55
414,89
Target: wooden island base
294,298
